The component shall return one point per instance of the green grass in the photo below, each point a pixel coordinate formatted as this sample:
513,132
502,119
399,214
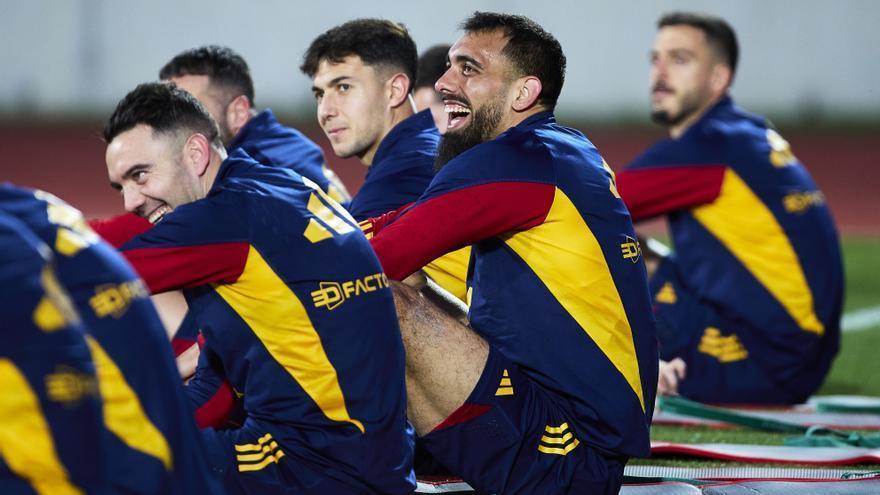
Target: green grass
861,261
856,370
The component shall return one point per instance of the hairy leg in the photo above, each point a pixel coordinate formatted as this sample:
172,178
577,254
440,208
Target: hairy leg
444,358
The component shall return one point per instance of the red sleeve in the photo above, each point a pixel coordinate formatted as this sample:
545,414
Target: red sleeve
651,192
372,226
120,229
179,267
449,221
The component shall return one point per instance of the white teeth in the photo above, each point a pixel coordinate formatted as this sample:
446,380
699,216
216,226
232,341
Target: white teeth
451,108
158,214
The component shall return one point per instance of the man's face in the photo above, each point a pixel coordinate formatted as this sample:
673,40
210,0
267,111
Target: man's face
213,99
475,93
148,170
681,69
352,106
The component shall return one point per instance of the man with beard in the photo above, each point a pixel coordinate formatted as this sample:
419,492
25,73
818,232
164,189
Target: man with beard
751,299
292,301
552,388
362,78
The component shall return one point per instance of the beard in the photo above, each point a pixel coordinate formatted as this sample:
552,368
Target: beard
690,104
481,129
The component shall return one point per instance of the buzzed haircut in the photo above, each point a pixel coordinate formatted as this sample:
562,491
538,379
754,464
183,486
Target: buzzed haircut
164,107
225,68
719,33
432,66
533,51
378,42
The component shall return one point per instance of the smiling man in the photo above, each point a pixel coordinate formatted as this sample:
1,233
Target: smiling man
751,299
291,299
552,388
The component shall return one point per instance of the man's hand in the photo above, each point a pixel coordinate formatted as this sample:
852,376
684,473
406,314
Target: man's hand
188,360
670,373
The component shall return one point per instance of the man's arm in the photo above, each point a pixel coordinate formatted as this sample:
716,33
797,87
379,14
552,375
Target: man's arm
120,229
438,224
649,192
196,244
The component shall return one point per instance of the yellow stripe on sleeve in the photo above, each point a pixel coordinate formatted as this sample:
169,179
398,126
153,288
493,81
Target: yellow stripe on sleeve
26,443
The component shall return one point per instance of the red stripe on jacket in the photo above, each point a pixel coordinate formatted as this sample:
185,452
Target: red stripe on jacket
651,192
179,267
459,218
120,229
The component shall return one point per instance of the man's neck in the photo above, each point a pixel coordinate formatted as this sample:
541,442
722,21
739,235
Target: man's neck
677,130
516,118
398,115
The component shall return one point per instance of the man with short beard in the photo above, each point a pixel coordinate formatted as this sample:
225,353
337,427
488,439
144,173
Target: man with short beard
552,388
750,302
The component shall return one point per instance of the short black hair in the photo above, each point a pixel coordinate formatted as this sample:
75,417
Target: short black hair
432,66
164,107
719,33
378,42
224,67
533,51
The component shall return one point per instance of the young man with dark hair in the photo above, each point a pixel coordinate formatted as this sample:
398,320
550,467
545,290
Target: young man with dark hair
552,388
221,80
750,301
432,65
294,306
154,446
362,77
362,74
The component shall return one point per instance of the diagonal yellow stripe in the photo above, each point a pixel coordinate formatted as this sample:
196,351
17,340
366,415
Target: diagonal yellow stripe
757,240
563,451
279,320
123,413
562,245
26,443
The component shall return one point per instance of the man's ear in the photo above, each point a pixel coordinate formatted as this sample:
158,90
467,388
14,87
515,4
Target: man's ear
398,89
238,113
528,89
720,78
197,153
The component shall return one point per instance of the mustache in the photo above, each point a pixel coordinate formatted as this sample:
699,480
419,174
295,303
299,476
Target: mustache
460,99
662,87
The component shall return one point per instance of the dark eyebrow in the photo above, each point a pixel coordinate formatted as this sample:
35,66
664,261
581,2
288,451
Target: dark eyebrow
471,60
333,82
137,167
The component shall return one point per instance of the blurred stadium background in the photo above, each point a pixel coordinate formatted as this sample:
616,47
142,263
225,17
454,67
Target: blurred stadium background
812,66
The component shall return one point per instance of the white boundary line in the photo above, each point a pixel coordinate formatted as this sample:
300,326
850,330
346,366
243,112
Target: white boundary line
860,319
